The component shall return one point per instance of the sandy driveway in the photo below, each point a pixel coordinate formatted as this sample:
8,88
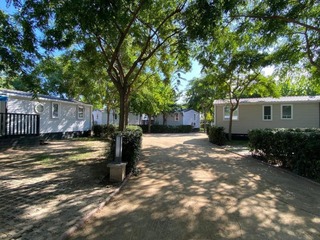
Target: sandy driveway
191,189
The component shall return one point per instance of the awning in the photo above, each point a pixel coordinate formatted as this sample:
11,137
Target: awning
3,98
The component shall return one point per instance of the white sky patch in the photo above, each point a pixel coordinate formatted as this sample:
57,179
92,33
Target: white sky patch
268,70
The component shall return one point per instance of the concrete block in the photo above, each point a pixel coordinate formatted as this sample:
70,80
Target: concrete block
117,171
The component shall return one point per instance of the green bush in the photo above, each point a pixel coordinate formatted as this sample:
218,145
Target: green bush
217,135
131,147
97,130
295,149
168,129
103,130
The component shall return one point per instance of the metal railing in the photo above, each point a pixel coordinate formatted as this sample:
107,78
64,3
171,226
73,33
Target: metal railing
19,124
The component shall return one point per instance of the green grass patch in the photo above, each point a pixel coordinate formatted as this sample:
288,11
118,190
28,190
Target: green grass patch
44,158
68,156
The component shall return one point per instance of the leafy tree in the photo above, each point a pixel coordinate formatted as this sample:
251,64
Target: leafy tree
126,34
234,64
153,98
288,29
298,85
200,95
72,76
18,50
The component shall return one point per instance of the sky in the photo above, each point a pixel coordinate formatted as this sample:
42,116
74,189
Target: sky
3,6
194,72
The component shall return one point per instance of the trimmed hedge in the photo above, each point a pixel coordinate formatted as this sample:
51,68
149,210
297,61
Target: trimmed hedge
295,149
168,129
216,135
103,130
131,147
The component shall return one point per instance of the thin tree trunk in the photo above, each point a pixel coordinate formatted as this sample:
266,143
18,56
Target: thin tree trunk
149,123
204,121
108,115
127,114
123,109
230,125
164,121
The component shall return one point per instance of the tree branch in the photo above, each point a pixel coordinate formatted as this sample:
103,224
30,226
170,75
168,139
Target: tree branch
102,49
281,18
151,36
124,33
309,53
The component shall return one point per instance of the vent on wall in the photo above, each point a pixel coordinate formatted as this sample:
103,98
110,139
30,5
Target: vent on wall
39,108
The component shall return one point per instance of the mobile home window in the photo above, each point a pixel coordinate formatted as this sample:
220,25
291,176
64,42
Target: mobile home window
286,112
226,113
176,116
267,113
80,112
55,110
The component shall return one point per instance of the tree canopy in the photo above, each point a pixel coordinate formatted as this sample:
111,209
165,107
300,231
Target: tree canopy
18,50
130,36
200,96
153,98
288,29
123,41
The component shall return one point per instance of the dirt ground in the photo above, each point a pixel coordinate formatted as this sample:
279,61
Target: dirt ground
191,189
45,189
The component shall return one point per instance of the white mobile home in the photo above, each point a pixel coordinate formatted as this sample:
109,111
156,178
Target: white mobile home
58,117
100,118
283,112
183,117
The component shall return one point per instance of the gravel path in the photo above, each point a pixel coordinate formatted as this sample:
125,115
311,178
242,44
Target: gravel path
191,189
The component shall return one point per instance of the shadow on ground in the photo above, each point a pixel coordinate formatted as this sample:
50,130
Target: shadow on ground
45,189
190,189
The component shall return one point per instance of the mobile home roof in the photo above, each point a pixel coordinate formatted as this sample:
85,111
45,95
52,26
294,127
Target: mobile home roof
290,99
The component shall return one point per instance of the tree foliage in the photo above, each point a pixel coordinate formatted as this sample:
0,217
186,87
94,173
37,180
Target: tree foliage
298,84
200,96
288,29
18,50
74,76
125,34
153,98
235,63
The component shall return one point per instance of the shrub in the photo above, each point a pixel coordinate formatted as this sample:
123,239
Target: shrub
103,130
168,128
131,147
97,130
217,135
109,129
295,149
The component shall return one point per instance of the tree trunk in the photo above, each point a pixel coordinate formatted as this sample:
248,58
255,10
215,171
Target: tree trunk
230,125
149,123
127,114
164,121
123,109
108,115
204,121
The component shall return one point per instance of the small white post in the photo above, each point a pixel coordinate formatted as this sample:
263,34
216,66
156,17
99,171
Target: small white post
117,167
118,153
